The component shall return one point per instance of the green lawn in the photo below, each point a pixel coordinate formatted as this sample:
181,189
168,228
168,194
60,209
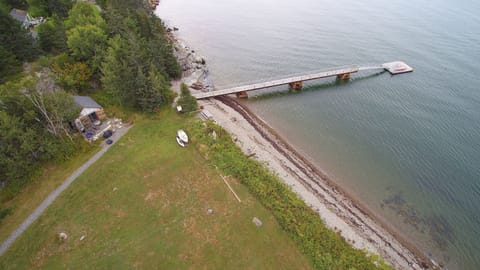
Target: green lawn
144,204
50,177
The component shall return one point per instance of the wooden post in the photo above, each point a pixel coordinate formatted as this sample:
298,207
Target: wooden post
345,76
295,86
242,94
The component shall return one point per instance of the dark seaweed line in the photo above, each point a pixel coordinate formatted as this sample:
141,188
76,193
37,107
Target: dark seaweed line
311,171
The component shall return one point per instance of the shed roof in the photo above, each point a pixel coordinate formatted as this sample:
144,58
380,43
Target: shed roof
86,102
18,14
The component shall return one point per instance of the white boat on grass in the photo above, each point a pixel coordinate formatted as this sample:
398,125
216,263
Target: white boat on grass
179,141
182,135
182,138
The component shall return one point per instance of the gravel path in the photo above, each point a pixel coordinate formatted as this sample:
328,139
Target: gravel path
49,200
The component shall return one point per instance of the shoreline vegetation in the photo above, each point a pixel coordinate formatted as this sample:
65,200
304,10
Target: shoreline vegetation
385,240
325,248
340,211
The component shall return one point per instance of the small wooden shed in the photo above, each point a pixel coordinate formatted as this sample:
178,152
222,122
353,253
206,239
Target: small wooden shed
91,113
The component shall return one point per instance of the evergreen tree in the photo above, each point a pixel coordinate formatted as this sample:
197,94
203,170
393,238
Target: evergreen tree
186,100
153,91
8,64
52,36
19,148
15,39
38,8
83,14
118,75
16,46
160,87
20,4
86,36
125,4
60,7
47,8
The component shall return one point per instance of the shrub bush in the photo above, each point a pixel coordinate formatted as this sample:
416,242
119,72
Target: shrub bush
186,100
4,213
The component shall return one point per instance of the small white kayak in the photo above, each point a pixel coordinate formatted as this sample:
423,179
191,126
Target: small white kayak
179,141
182,136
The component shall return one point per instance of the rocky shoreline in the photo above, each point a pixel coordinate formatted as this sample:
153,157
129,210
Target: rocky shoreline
340,211
194,66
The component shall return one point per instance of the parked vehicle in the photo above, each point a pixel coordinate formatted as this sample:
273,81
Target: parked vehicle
107,134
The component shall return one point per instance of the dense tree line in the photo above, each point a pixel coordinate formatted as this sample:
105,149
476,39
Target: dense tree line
8,4
34,112
139,60
17,44
124,42
33,128
119,51
48,8
52,36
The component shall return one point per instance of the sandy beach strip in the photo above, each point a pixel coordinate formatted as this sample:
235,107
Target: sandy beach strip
340,211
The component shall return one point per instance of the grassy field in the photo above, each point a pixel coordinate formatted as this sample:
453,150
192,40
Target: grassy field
144,205
325,248
37,190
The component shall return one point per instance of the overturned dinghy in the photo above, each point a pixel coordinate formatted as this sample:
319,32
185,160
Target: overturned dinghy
182,138
180,142
182,135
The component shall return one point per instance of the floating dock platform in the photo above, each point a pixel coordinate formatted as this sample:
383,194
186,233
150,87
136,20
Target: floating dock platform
397,67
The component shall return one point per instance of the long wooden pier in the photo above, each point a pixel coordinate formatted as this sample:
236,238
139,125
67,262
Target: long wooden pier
296,82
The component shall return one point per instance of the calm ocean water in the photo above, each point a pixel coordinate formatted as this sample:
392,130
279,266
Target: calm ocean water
408,145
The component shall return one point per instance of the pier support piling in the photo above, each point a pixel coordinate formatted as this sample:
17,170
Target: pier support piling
242,94
343,77
295,86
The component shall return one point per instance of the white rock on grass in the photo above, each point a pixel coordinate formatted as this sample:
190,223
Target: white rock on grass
62,236
257,222
214,135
